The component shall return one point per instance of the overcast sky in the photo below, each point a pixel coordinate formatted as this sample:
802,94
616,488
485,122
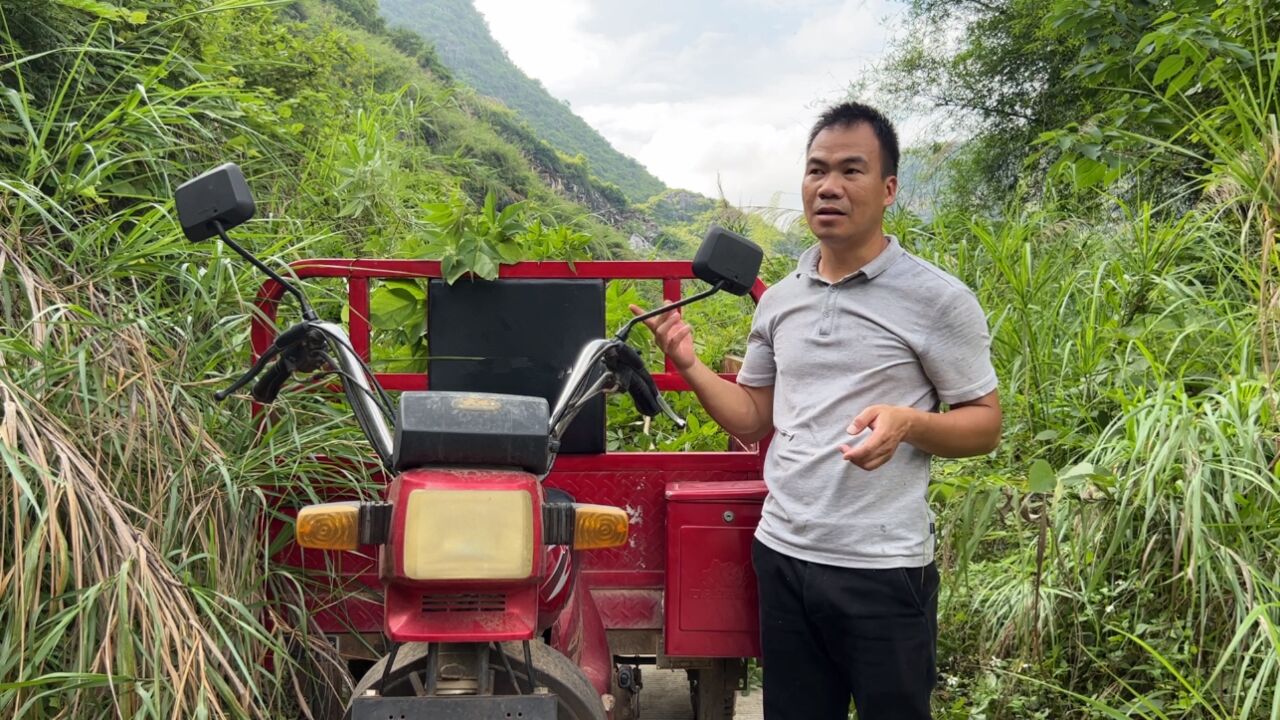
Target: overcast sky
699,89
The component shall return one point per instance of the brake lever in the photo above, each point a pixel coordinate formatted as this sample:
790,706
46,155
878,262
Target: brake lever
282,342
666,410
244,379
635,378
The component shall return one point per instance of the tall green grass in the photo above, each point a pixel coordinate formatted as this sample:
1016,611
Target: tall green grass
124,530
1129,352
1119,557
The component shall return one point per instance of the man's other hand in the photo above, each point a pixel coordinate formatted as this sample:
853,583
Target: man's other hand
966,429
889,424
673,336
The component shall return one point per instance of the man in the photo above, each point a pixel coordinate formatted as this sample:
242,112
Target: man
849,359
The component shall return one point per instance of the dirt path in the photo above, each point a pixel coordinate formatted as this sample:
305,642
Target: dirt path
666,697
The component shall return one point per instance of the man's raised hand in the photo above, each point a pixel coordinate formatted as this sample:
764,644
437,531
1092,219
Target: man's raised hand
673,336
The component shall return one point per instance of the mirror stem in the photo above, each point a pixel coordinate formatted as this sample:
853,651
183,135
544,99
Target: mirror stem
307,312
626,329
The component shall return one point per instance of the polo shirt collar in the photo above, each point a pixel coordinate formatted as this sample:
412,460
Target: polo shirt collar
808,263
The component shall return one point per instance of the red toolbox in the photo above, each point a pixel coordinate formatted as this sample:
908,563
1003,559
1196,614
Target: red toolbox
710,596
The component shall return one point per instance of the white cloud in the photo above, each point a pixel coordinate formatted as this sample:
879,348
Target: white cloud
701,145
698,91
523,29
851,32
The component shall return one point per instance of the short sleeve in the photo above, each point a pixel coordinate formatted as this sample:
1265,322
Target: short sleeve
759,367
956,354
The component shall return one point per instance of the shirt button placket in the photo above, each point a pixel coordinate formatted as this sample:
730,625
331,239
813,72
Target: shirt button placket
828,311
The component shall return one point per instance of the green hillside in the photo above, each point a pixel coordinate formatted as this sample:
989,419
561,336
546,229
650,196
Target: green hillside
462,39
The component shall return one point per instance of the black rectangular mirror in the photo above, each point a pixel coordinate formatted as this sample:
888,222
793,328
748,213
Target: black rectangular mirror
729,258
219,196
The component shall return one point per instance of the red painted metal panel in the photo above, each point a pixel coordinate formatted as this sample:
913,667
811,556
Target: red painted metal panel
626,578
671,465
512,614
640,494
733,490
629,608
402,381
641,565
358,325
711,604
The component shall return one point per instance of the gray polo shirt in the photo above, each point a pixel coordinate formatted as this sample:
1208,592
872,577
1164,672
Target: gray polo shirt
897,332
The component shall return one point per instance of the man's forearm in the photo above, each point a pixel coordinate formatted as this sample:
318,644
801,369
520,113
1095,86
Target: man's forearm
960,432
728,403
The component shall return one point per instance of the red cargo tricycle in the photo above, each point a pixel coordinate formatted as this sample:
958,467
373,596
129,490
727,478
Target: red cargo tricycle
513,568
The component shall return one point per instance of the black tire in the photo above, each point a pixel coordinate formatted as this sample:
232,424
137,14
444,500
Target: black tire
578,699
713,691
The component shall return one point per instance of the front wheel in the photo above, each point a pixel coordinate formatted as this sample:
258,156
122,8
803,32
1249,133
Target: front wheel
576,698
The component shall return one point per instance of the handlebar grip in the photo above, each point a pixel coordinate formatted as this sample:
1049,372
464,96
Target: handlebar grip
645,395
269,385
637,379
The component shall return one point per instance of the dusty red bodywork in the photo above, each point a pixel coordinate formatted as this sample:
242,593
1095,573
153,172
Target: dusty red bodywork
453,611
711,592
684,576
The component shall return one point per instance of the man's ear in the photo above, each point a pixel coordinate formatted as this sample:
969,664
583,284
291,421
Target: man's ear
890,190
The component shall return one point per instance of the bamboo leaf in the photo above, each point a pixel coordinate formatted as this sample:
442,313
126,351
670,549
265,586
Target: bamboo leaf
1169,67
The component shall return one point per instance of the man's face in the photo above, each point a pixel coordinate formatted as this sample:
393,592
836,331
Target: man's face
844,193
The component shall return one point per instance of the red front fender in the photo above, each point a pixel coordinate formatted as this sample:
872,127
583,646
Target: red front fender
579,635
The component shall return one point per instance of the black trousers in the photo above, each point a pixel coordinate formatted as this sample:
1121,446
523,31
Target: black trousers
831,633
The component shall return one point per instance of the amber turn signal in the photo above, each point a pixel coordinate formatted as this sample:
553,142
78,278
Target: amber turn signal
598,526
331,526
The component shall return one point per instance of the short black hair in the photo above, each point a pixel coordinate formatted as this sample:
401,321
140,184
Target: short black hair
847,114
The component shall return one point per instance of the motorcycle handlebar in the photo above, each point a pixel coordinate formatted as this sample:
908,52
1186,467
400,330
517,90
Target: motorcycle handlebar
361,392
623,362
283,342
356,383
629,374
